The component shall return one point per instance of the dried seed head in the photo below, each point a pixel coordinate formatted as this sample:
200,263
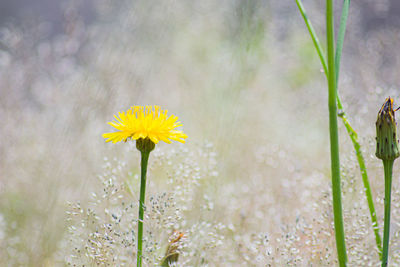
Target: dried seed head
387,145
172,253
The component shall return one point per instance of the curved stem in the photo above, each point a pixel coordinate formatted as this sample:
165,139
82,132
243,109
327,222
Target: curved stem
143,165
364,175
388,167
313,36
340,38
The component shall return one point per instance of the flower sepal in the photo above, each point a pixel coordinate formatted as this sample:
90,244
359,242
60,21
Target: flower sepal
145,145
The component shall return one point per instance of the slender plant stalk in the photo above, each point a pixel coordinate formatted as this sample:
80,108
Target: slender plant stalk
388,167
351,132
143,163
340,37
334,139
367,188
313,36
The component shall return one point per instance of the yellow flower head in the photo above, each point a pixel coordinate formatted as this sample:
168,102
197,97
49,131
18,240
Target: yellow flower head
145,122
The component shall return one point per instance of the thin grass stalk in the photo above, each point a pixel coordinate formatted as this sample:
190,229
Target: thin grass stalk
313,35
334,138
388,167
340,37
143,163
367,188
353,134
350,131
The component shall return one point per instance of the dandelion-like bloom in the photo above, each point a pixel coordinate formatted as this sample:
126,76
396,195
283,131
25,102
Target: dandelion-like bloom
145,122
147,125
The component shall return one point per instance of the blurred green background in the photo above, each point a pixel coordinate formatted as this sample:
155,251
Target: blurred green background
240,74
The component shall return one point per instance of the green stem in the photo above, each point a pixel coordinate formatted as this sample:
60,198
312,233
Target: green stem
313,36
353,134
143,163
388,167
350,131
334,138
364,175
340,38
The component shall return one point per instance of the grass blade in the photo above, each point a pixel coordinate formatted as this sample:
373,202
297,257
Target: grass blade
313,35
340,37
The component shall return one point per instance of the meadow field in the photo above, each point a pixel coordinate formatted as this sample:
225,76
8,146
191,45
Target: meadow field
252,184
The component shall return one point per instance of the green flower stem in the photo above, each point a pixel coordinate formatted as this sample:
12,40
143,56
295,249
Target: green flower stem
350,131
388,167
144,159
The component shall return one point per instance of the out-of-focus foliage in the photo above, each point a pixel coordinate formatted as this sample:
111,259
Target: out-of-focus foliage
241,74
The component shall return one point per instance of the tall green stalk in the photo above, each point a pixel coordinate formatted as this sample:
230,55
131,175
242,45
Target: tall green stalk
334,138
350,131
353,134
388,167
143,164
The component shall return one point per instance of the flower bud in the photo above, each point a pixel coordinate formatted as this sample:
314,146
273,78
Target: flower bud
387,144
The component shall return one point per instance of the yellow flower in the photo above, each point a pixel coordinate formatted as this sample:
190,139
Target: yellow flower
149,122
